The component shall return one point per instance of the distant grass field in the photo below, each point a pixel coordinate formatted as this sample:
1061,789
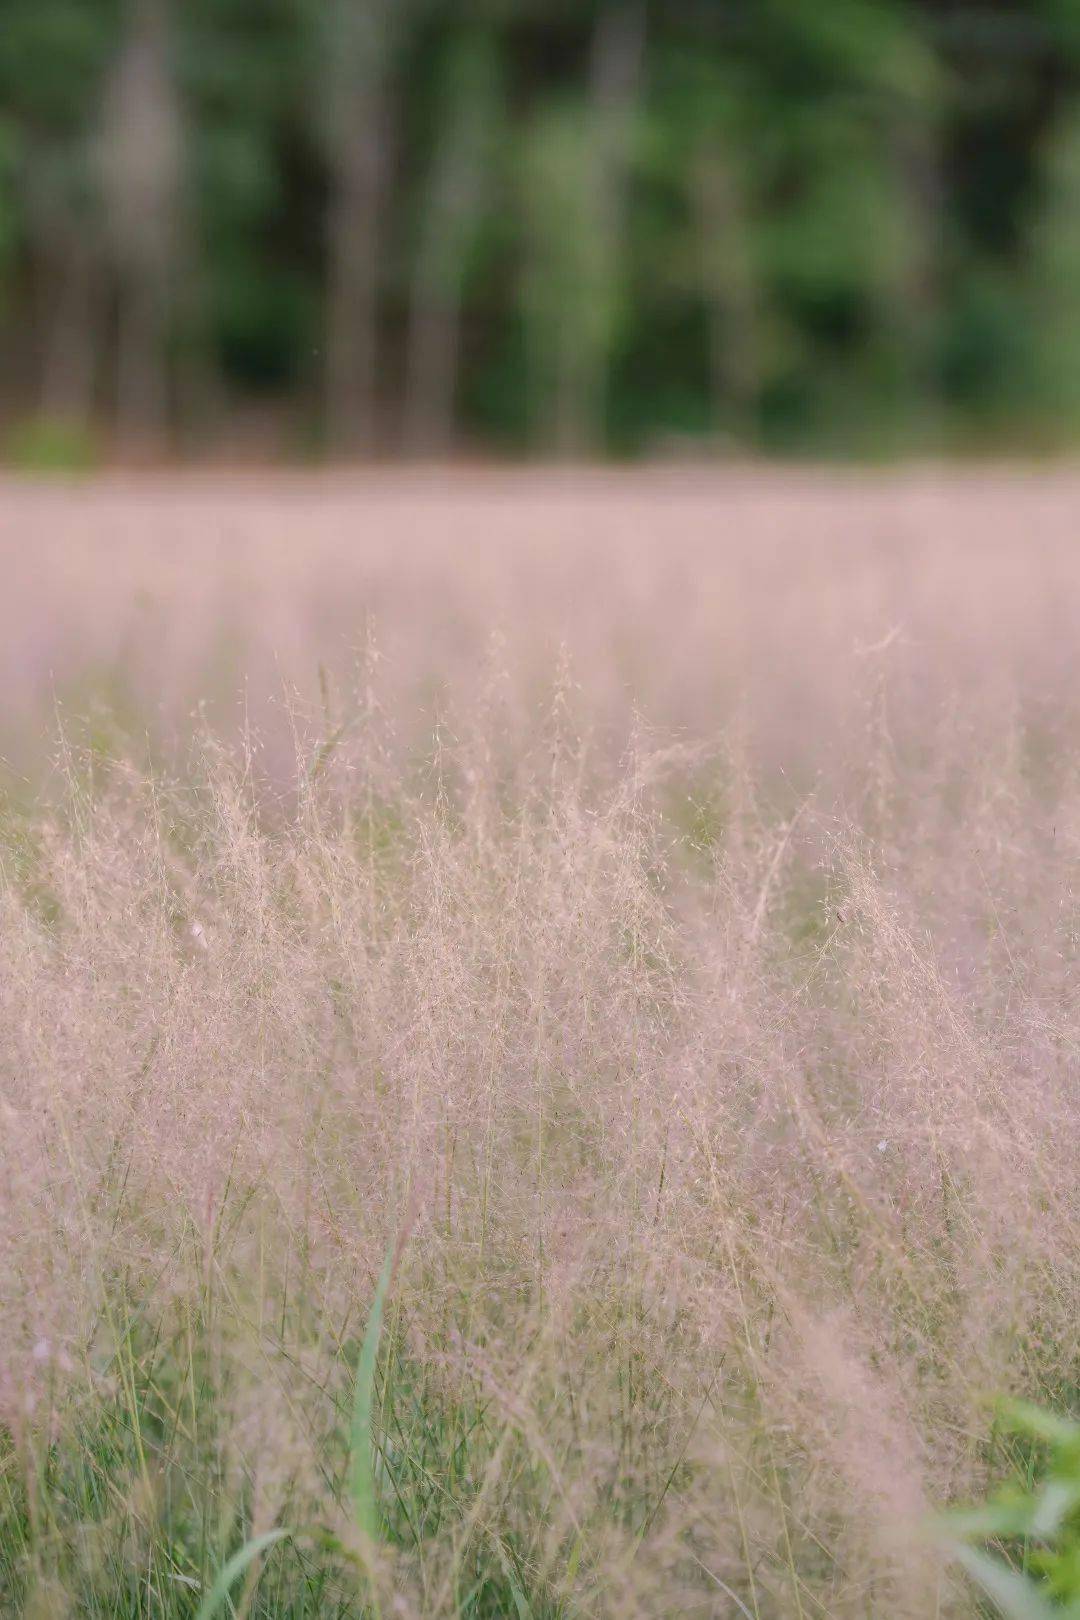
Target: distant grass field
539,1030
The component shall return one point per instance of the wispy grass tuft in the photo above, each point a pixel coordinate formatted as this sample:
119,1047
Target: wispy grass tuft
734,1114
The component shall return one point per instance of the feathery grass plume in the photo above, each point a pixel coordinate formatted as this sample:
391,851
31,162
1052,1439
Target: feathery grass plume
735,1111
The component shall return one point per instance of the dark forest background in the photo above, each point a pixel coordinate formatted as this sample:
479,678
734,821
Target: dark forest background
567,227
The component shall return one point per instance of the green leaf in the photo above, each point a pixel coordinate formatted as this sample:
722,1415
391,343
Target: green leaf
992,1519
1053,1505
521,1602
362,1443
234,1568
1013,1595
1024,1417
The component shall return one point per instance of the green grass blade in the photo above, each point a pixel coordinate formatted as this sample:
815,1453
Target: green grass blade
574,1561
521,1602
362,1442
233,1569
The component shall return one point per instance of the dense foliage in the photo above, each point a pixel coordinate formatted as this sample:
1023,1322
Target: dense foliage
414,224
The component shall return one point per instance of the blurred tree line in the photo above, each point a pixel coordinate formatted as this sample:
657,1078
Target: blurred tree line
569,225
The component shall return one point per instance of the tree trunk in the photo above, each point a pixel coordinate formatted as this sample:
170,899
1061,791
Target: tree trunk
142,384
615,82
141,150
729,293
358,141
67,377
913,308
453,203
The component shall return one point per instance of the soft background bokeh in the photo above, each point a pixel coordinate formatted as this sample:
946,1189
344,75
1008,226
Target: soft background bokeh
375,227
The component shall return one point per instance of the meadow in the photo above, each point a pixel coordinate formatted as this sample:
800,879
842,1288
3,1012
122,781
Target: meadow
539,1037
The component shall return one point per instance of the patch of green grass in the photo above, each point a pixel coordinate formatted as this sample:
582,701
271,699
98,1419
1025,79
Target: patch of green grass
126,1501
45,444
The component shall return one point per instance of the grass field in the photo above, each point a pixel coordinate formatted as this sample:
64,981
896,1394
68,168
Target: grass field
539,1037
